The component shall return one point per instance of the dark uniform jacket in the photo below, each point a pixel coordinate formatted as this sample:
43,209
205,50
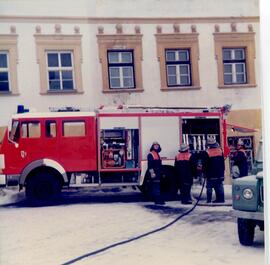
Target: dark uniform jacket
215,166
240,160
198,162
154,162
183,167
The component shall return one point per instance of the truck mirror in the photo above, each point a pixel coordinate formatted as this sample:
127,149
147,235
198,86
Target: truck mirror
11,141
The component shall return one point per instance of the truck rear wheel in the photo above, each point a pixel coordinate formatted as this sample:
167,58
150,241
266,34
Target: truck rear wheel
168,184
145,188
43,187
246,229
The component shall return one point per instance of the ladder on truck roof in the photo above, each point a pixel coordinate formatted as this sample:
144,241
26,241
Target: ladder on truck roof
136,108
148,109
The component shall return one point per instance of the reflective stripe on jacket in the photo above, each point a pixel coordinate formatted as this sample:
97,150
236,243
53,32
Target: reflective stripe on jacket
155,155
212,152
183,156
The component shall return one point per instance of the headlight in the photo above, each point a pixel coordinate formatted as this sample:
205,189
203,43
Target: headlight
248,194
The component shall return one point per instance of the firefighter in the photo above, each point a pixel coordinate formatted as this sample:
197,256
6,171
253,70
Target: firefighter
215,168
183,166
154,169
240,159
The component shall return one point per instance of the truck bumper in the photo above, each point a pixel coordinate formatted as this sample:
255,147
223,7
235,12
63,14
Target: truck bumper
248,215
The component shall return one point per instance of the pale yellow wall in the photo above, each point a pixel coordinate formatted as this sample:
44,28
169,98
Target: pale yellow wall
2,131
250,118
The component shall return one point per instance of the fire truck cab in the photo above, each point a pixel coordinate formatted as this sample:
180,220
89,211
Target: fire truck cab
45,152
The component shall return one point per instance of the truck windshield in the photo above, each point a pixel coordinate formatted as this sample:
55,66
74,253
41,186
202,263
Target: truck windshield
14,133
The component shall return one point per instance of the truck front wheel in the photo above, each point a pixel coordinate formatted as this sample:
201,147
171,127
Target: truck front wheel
42,187
246,229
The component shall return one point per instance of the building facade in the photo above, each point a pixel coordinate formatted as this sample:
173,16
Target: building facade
170,53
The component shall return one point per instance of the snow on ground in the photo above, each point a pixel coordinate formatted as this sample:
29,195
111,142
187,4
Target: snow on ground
86,221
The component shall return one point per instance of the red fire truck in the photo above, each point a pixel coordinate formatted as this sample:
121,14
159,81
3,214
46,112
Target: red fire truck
45,152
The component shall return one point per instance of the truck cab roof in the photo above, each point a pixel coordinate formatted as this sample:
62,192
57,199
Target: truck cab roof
31,115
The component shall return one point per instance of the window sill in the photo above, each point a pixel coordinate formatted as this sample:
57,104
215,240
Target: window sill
61,92
133,90
175,88
9,93
237,86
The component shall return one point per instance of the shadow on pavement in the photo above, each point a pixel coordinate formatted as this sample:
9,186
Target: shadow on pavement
166,210
70,197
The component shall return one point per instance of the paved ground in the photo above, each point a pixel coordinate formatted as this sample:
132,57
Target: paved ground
85,221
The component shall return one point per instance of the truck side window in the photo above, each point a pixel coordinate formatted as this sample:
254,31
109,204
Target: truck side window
50,129
31,129
73,128
15,132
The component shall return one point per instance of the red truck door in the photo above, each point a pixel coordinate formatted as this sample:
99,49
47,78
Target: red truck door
77,144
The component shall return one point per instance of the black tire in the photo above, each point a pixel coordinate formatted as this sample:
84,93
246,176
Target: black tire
168,183
246,230
145,188
43,187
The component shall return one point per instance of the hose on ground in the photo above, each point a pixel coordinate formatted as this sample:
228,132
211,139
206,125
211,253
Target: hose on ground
95,252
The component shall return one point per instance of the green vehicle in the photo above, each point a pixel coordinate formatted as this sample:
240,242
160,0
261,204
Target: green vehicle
247,201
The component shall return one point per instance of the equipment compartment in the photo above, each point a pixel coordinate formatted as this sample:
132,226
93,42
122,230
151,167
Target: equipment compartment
119,148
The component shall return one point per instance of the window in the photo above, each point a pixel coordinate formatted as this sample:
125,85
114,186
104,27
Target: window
73,128
8,64
30,129
178,67
121,69
235,54
178,56
59,58
50,127
121,62
60,70
15,132
4,72
234,65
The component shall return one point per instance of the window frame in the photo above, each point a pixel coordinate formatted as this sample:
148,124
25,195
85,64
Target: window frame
47,135
121,65
8,44
63,43
74,121
233,62
178,63
5,70
60,69
236,40
178,41
27,129
123,42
